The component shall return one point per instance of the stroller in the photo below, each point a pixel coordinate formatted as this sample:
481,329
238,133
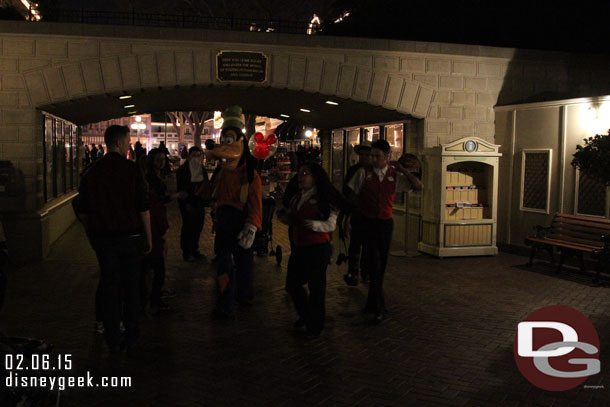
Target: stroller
264,238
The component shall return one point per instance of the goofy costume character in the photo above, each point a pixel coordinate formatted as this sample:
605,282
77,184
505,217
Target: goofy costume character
237,199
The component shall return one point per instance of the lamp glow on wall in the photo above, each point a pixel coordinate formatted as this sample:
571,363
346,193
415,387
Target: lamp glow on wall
595,118
137,126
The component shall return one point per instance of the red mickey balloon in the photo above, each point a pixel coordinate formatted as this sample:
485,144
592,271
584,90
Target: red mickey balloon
261,151
261,147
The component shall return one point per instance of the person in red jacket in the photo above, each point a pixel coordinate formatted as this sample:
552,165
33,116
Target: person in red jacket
374,189
312,215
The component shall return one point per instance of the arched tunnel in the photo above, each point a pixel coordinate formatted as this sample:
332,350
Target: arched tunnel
271,102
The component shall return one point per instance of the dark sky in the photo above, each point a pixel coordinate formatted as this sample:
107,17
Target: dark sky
539,24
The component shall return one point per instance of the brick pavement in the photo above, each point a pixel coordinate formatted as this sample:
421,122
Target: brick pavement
447,341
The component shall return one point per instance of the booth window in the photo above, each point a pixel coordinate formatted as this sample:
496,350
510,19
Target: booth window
591,196
535,180
60,157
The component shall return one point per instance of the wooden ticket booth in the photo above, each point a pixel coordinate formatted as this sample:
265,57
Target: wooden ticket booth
459,209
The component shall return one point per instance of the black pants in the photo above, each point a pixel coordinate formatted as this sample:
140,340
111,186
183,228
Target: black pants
376,246
157,265
355,246
192,225
119,289
307,265
234,260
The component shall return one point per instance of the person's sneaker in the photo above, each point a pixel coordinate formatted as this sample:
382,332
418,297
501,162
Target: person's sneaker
220,315
200,256
122,327
311,335
246,303
159,305
167,294
350,279
299,323
99,327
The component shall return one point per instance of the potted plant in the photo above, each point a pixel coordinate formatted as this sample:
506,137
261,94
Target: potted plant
594,158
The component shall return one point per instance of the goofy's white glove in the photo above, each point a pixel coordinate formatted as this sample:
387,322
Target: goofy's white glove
246,236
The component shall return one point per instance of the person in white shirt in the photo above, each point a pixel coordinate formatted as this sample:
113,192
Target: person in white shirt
374,190
312,215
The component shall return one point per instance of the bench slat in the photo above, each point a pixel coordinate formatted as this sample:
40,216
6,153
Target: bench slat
571,239
578,228
583,218
584,222
557,243
593,237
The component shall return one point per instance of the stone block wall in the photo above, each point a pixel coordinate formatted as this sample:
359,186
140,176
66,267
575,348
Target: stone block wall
453,87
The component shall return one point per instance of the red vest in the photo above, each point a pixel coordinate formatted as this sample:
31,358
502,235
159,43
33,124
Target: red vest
376,198
302,235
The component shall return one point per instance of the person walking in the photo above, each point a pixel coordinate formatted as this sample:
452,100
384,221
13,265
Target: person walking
312,216
190,178
374,189
357,234
87,156
139,151
113,206
93,153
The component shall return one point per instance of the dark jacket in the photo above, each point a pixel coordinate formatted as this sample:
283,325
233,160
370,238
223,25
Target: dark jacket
113,193
351,171
183,183
158,213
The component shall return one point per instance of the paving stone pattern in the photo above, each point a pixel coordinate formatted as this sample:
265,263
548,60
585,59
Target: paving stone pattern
447,340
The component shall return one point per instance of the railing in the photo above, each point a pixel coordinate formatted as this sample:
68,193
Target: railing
178,21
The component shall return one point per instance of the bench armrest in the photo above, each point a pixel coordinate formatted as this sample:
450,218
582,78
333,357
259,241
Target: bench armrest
606,240
541,232
603,252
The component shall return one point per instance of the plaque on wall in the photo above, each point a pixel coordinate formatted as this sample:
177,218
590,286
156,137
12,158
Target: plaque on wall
241,66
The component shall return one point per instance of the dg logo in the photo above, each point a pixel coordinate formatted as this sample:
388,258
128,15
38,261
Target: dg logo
557,348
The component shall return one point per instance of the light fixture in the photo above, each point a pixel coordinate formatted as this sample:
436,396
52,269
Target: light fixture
125,97
129,106
132,112
243,131
308,133
284,115
305,110
330,102
138,119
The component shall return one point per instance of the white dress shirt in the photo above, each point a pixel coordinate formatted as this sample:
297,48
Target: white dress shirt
322,226
357,181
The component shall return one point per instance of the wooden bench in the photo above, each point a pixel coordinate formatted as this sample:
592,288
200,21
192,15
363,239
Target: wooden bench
574,235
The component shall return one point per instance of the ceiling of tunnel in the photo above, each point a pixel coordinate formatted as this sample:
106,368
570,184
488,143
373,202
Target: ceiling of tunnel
269,102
